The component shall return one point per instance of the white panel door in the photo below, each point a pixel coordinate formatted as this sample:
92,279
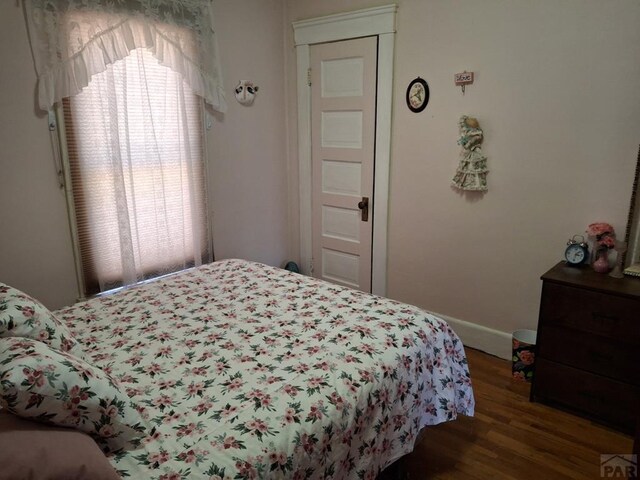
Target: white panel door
343,102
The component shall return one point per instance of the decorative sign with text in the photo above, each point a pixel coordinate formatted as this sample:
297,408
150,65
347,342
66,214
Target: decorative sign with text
464,78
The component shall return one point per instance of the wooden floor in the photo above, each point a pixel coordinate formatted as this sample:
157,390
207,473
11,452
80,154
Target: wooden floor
509,437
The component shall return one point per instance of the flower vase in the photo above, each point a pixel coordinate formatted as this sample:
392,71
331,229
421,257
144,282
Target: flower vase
601,265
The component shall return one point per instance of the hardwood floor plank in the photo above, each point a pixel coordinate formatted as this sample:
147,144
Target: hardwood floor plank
509,438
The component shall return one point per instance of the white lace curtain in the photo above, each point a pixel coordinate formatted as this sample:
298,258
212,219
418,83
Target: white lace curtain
137,169
70,43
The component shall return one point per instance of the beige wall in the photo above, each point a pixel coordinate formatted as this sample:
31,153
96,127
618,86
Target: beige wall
561,150
35,245
557,95
247,156
248,144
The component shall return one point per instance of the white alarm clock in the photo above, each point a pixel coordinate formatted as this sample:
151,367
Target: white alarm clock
577,252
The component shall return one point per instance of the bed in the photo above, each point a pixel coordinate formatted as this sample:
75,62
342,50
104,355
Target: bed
243,370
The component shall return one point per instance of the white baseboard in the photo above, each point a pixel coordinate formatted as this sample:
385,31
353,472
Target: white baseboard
488,340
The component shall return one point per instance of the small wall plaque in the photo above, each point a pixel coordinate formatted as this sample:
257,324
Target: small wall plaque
463,79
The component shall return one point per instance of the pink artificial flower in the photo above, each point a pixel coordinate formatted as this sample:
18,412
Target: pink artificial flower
608,241
604,234
600,228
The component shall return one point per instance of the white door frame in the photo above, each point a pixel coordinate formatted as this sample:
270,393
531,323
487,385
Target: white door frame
380,21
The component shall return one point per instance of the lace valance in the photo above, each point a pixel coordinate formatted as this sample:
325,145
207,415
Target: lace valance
72,40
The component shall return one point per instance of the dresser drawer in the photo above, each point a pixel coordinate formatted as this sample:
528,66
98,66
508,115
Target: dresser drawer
594,353
609,401
610,316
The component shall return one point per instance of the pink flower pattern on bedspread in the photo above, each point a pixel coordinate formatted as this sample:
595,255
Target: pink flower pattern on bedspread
248,371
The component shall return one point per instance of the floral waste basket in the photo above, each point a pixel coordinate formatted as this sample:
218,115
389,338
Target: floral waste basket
524,346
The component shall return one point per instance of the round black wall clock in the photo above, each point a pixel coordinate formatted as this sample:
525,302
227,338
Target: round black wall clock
417,95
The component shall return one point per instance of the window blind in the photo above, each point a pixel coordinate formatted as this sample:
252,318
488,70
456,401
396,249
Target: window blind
135,157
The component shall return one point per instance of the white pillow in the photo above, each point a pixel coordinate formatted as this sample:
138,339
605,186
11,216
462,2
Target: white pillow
23,316
42,384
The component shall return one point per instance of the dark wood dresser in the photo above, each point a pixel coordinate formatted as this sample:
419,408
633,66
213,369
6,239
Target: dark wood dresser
588,346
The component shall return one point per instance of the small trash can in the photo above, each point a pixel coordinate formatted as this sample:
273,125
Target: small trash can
524,347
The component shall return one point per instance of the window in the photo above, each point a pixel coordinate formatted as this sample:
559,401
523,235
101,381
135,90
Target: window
135,153
129,79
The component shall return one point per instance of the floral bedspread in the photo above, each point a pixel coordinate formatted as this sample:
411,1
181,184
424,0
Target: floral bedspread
248,371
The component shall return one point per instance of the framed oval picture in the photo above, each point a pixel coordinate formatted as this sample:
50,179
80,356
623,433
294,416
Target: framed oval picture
417,95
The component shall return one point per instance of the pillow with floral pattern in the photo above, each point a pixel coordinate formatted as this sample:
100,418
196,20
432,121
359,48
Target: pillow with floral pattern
23,316
39,383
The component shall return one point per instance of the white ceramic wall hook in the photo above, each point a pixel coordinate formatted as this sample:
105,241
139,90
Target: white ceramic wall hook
245,92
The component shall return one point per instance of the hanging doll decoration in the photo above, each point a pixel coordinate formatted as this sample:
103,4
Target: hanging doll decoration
472,169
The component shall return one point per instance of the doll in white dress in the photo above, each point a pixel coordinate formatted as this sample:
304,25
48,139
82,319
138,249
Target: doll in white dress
472,169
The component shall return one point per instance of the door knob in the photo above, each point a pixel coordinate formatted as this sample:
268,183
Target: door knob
363,205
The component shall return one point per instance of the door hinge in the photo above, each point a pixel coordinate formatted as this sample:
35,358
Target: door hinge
309,76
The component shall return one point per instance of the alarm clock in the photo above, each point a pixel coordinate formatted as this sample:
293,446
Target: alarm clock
577,252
